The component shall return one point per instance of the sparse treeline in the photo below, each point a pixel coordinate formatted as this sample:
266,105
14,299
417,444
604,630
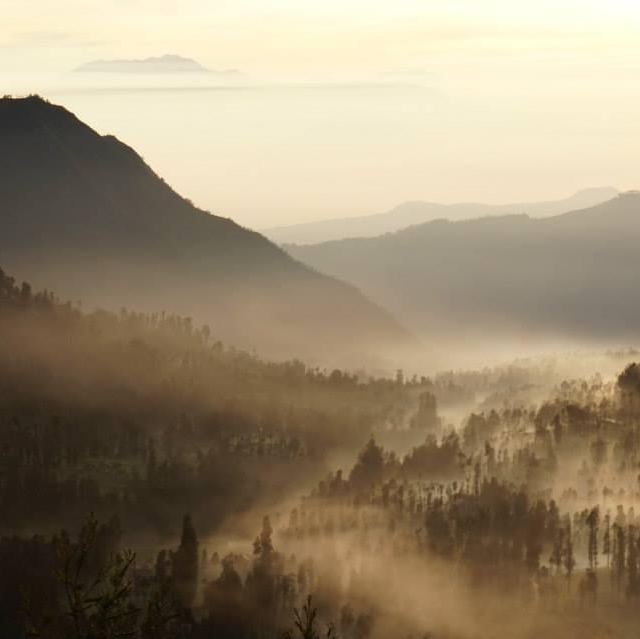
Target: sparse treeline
90,588
499,518
140,418
136,414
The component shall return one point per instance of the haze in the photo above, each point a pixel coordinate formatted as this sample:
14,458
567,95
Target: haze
348,108
319,319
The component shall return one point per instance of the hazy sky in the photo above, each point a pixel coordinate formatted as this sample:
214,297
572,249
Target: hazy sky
484,100
304,36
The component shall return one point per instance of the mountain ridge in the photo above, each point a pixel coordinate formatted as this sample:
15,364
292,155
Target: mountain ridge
85,215
570,274
419,212
167,63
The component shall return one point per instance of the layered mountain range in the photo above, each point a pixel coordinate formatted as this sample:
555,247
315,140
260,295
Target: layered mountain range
568,275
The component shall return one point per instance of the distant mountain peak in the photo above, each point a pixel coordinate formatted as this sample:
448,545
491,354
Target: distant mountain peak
416,212
607,190
502,277
168,63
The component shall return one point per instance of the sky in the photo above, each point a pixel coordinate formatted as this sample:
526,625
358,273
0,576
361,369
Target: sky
311,36
348,107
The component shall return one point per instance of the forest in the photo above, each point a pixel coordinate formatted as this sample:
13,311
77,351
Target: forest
319,319
155,482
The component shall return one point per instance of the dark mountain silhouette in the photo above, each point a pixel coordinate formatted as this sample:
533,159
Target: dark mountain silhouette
83,214
411,213
573,275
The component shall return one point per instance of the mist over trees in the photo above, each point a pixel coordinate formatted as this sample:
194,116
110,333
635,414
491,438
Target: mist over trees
203,438
157,483
83,214
134,412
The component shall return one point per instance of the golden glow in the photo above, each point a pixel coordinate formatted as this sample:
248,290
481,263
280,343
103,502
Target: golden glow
522,99
309,36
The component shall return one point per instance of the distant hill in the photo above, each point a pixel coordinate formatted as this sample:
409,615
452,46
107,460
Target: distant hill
571,275
83,214
411,213
162,64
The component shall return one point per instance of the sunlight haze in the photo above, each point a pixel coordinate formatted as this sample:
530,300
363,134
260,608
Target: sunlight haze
319,319
349,108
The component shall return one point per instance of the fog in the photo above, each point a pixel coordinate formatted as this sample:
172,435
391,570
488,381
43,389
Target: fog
272,149
395,427
489,502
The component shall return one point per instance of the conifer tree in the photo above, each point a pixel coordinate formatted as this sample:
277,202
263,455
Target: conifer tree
185,565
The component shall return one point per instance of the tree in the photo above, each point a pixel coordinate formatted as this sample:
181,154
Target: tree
185,565
632,562
265,572
557,554
369,468
606,539
569,561
306,625
629,386
620,553
97,601
426,417
97,594
161,620
593,519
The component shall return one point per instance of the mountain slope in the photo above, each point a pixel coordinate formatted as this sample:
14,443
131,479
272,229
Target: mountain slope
571,275
411,213
82,213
